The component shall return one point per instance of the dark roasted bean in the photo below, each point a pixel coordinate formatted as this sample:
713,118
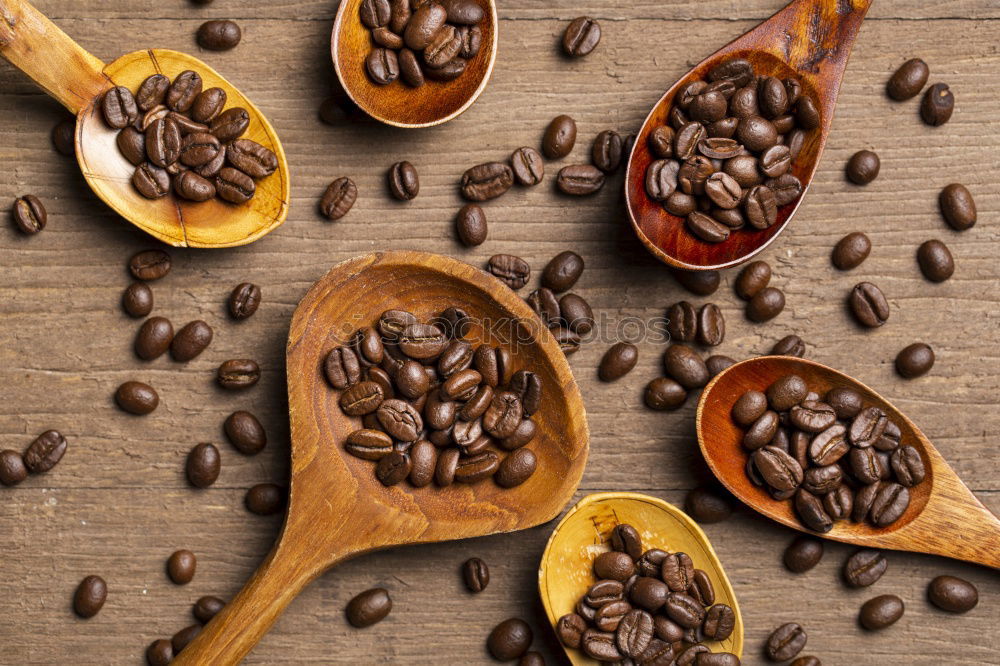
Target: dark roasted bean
937,105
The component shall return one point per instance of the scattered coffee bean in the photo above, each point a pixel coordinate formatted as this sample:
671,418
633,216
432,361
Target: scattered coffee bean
265,499
29,214
244,300
181,566
753,278
191,341
618,361
957,206
869,305
766,304
159,653
664,393
865,567
528,166
183,638
803,553
881,612
937,105
486,181
64,137
935,260
559,138
12,468
512,271
470,224
119,107
581,36
137,300
149,265
790,345
206,608
580,179
711,325
953,594
219,35
237,374
685,366
137,398
510,639
707,506
700,283
717,363
785,642
245,432
915,360
562,271
45,452
203,465
907,81
851,250
476,574
403,181
863,167
90,596
608,153
338,199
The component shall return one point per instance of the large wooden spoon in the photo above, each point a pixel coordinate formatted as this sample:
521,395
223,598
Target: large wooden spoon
944,517
337,508
566,571
78,80
808,39
397,104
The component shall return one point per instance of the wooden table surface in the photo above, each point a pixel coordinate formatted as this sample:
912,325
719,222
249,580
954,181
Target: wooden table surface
118,504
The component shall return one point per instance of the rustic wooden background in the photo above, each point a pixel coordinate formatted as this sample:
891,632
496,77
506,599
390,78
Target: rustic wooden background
118,504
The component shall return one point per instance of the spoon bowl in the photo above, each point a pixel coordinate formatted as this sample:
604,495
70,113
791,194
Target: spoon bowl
78,80
566,570
337,508
943,517
397,104
808,39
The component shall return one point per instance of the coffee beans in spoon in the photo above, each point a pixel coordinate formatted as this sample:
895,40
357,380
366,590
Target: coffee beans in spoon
833,458
434,407
726,155
647,606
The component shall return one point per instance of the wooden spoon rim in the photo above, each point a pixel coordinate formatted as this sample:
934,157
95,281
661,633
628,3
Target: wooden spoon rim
384,114
691,527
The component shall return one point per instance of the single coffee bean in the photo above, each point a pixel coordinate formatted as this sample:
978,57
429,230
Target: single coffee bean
915,360
403,181
203,465
244,300
707,506
152,92
338,199
183,91
44,453
579,179
581,37
456,357
863,501
375,13
803,553
706,228
342,368
664,393
183,638
608,151
786,188
687,139
206,608
614,565
369,607
749,407
64,137
132,145
393,468
251,158
425,23
559,138
953,594
181,567
786,392
470,225
661,179
398,418
149,265
761,207
487,181
234,186
119,107
510,639
151,181
444,47
661,142
137,398
711,325
245,432
756,133
382,66
752,279
159,653
512,271
865,567
527,165
208,105
811,511
230,124
806,113
618,361
846,402
651,594
685,366
684,610
851,250
907,81
219,35
868,426
908,466
865,465
600,645
772,97
890,503
790,345
158,112
191,341
463,12
634,632
868,304
812,416
937,105
516,468
423,462
369,444
881,612
700,283
863,167
90,596
718,362
785,642
766,304
265,499
238,374
29,214
449,71
935,260
193,187
677,571
186,125
570,629
723,190
12,468
720,620
626,539
546,305
476,574
778,469
957,206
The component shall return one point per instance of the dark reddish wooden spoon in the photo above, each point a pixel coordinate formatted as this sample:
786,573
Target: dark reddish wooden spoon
809,39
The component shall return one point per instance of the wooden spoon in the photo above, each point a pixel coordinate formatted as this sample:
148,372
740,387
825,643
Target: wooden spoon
337,508
944,517
808,39
78,80
566,571
397,104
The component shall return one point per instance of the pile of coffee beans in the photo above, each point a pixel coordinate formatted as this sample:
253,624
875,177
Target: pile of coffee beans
416,41
834,457
434,407
650,606
42,455
182,138
723,162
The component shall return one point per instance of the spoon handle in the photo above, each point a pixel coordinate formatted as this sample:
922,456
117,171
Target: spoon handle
33,44
955,524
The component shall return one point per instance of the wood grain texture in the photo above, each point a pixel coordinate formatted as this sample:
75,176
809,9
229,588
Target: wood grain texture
118,503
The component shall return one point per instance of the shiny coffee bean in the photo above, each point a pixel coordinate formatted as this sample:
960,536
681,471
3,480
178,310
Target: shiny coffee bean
907,81
265,499
685,366
718,362
90,595
12,468
183,91
64,138
404,183
790,345
864,567
183,638
700,283
510,639
369,607
953,594
206,608
935,260
151,181
44,452
559,138
580,179
915,360
869,305
607,152
219,35
230,124
137,398
203,465
181,566
749,407
863,167
937,105
339,198
245,432
251,158
581,37
576,313
618,361
957,206
753,278
803,554
470,225
476,574
119,108
881,612
29,214
707,506
766,304
711,325
159,653
785,642
664,393
851,250
846,402
238,374
244,300
191,341
907,466
486,181
208,105
189,185
152,92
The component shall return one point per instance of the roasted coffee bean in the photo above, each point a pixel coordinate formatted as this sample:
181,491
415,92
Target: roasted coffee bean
829,446
786,188
863,167
908,466
867,427
890,502
12,468
868,305
393,468
650,564
749,407
579,179
811,511
181,566
706,228
369,607
677,571
369,444
470,225
863,501
607,152
208,105
456,357
375,13
156,113
743,103
203,465
756,133
839,503
570,629
724,191
154,338
731,217
682,322
163,142
90,595
152,92
614,565
720,620
559,138
661,142
423,461
219,35
186,125
191,340
183,638
404,184
685,366
382,66
864,567
663,394
651,594
766,304
812,416
230,124
618,361
581,37
786,392
546,305
744,170
447,464
64,137
576,313
527,165
795,140
737,70
889,441
193,187
338,199
487,181
626,539
516,468
503,414
137,398
600,645
851,250
410,70
245,432
700,283
693,174
907,81
806,113
512,271
785,642
790,345
711,325
265,499
159,653
953,594
119,107
449,71
634,631
803,553
935,260
238,374
206,608
425,23
235,186
183,91
687,139
251,158
661,179
752,279
244,300
476,574
463,12
493,364
760,207
444,46
42,454
29,214
342,368
914,360
132,145
397,417
957,206
717,363
937,105
772,97
846,402
881,612
778,469
684,610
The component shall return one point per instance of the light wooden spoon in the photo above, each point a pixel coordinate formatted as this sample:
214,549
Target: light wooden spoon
808,39
566,571
78,80
397,104
944,517
337,508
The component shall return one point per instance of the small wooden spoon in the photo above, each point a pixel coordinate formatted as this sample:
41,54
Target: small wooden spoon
566,571
337,508
397,104
944,517
808,39
78,80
